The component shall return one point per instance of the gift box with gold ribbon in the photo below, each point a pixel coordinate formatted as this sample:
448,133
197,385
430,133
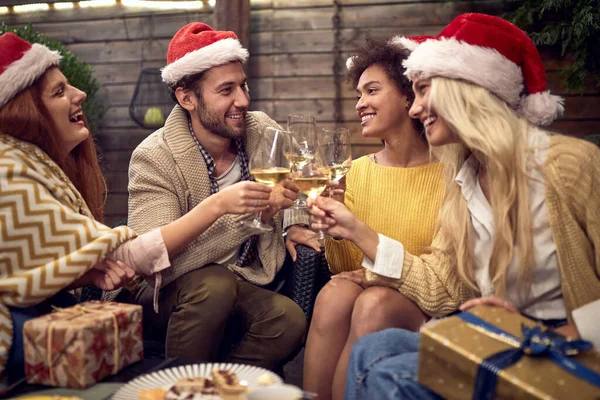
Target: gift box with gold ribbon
78,346
492,353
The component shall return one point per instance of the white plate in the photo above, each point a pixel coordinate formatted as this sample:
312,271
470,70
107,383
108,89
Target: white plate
168,377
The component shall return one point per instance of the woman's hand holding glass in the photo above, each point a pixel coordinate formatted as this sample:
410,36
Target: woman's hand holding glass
337,190
332,217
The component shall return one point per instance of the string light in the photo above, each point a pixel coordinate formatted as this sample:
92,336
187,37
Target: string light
97,3
163,5
158,5
63,5
31,7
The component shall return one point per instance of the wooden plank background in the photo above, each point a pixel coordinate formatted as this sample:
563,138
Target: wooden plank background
290,68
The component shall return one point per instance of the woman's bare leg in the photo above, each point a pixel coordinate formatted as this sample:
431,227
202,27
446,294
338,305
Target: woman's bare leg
376,308
328,334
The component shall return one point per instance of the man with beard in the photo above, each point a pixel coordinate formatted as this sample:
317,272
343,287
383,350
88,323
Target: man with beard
202,150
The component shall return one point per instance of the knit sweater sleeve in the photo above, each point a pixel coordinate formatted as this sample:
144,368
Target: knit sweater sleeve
431,281
573,172
585,195
153,199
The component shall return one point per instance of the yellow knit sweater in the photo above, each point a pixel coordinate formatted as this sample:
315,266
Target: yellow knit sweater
401,203
572,175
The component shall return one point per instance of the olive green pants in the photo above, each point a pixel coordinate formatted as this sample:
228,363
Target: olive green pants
209,315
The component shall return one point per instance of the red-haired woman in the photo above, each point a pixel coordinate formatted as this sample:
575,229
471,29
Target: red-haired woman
51,194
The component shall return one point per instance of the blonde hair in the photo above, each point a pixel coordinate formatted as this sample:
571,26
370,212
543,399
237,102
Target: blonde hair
488,128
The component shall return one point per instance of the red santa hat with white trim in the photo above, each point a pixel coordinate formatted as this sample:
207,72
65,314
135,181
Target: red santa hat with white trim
492,53
197,47
403,42
21,64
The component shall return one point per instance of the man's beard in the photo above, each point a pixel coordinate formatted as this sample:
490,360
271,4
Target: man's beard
212,121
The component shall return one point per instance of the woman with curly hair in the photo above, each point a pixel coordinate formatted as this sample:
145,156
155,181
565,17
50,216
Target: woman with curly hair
398,183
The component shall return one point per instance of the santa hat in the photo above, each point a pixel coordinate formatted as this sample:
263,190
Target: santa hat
494,54
197,47
21,64
404,42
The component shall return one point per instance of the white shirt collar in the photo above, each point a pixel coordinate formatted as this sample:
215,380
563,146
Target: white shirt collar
467,176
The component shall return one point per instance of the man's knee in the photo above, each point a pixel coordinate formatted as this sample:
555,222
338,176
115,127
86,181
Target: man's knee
286,324
211,286
292,323
334,304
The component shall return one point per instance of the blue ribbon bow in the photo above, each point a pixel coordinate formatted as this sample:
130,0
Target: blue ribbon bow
536,342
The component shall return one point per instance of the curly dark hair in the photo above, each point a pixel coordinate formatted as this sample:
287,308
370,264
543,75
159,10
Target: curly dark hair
390,58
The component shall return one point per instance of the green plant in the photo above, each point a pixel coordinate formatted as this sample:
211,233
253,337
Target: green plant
76,71
573,26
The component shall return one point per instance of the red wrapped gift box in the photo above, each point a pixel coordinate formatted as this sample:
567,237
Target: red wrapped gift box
78,346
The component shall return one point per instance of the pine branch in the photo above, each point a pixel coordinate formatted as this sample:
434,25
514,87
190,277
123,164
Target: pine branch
79,73
573,26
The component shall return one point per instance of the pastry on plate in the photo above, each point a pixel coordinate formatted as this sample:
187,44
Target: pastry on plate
152,394
266,379
228,384
195,385
184,389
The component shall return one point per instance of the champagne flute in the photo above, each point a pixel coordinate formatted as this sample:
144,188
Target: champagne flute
337,152
312,179
269,166
301,152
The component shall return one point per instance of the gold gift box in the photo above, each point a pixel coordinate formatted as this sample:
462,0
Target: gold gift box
78,346
452,350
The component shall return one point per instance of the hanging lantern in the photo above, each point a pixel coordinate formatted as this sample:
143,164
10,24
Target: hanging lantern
151,102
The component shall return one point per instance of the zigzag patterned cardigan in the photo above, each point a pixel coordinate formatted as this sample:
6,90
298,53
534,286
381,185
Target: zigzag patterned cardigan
48,237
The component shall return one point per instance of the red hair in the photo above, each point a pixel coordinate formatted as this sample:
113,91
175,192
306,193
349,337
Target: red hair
25,118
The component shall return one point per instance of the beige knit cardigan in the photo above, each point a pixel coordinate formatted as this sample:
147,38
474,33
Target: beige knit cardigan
168,177
572,175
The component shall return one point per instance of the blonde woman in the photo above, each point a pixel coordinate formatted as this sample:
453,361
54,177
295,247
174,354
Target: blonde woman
520,224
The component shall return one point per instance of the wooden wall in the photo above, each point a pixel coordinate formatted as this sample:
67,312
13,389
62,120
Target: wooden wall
290,67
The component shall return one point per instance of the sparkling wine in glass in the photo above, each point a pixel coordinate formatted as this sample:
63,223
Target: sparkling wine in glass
304,141
312,179
337,151
269,166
